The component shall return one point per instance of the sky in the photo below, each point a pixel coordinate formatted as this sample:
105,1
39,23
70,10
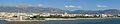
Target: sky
67,4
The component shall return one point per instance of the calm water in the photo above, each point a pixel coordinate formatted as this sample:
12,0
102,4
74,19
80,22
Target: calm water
82,21
86,21
2,22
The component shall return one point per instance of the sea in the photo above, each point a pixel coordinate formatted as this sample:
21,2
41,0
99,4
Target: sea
79,21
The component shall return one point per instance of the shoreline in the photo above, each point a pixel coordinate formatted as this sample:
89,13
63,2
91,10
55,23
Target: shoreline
47,19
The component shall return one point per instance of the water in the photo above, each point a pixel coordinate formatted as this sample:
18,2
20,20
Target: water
86,21
2,22
82,21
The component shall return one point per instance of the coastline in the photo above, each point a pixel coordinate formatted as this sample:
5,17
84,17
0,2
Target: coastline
70,18
47,19
63,21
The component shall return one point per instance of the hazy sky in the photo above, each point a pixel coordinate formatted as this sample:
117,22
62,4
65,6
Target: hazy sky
67,4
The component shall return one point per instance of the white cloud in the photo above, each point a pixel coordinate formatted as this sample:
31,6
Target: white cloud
40,5
23,5
66,6
102,6
72,6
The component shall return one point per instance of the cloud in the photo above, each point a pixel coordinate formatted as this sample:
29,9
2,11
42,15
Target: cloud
23,5
40,5
72,6
102,6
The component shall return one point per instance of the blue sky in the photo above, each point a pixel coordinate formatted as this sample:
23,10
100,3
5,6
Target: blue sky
83,4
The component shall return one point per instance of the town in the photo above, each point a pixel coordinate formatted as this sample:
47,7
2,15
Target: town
42,16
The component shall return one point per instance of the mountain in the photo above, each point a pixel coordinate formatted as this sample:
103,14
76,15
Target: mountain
55,10
83,12
108,11
31,10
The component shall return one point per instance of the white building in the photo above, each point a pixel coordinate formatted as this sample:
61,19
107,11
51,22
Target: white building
88,15
104,15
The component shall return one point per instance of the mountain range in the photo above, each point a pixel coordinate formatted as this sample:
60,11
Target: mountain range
30,10
55,10
108,11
